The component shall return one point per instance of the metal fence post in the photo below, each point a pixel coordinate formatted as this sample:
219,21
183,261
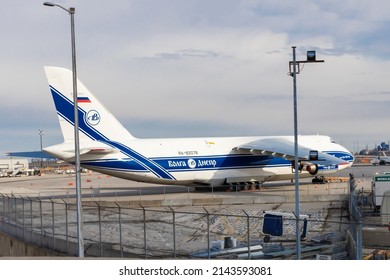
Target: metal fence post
53,225
359,242
66,227
248,234
120,229
2,198
15,217
31,219
40,214
8,214
2,213
100,229
208,232
145,242
174,231
357,215
23,217
351,189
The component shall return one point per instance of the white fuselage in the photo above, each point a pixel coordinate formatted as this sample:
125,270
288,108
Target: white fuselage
198,161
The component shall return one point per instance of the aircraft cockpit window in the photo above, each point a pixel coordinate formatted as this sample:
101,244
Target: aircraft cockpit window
332,141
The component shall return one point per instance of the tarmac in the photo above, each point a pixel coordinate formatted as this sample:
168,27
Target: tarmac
102,187
55,185
107,190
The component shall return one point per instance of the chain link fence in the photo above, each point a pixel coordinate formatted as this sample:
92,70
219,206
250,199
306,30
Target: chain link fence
368,228
355,203
165,232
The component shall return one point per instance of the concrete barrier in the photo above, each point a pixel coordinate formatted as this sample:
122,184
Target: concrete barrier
11,247
377,237
209,201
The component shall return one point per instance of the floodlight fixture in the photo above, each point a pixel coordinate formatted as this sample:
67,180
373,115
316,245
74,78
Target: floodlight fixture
311,56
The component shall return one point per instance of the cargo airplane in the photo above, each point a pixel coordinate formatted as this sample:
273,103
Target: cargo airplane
107,147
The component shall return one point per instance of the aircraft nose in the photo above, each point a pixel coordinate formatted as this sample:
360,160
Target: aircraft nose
344,165
348,160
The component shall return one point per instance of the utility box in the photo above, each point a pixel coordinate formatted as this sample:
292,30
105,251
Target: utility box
273,224
385,209
380,184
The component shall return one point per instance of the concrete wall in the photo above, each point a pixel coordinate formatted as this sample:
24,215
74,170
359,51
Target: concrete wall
11,247
376,237
243,200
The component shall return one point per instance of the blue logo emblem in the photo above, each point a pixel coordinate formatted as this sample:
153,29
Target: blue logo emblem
191,163
93,117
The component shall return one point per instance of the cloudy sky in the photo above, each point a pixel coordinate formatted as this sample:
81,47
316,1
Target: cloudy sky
174,68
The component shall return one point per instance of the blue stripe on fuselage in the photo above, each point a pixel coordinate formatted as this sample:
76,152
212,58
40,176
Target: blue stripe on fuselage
218,162
181,164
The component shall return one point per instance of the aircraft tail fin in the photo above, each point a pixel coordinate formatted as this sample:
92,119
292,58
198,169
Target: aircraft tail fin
95,121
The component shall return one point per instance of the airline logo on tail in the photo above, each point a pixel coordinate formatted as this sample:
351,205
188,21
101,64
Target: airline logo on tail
93,117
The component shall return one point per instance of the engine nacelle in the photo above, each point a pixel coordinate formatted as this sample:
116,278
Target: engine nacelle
300,165
311,168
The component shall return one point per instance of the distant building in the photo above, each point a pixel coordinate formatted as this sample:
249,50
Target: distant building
11,166
13,163
378,150
383,147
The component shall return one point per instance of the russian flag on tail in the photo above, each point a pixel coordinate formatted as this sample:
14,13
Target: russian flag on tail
83,100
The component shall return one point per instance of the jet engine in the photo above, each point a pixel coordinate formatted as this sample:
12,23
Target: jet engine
311,168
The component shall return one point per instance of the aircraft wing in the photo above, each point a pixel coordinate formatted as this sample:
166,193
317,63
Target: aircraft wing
46,155
284,148
69,154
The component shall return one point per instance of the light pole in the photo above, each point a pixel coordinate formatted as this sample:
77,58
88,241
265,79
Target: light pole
40,140
80,238
311,58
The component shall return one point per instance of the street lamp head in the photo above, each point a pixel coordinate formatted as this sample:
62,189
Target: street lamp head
311,55
50,4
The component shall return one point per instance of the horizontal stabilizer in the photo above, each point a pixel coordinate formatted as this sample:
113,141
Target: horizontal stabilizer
33,154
